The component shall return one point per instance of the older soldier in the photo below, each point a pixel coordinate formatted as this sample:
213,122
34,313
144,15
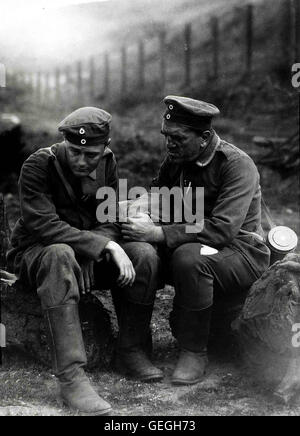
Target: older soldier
57,243
228,254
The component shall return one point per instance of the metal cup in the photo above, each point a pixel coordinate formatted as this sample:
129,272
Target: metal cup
281,240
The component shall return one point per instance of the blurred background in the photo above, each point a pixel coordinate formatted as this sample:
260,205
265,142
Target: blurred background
126,55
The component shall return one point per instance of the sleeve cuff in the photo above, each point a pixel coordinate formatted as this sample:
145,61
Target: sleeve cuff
97,246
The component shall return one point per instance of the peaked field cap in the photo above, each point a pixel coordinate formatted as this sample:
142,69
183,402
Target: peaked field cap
86,126
192,113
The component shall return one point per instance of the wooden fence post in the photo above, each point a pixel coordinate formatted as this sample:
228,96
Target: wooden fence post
141,65
68,95
57,87
31,83
162,43
249,38
123,71
215,32
188,53
38,88
106,75
92,79
46,93
79,83
13,78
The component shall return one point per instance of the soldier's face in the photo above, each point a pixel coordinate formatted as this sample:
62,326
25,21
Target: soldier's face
83,160
183,144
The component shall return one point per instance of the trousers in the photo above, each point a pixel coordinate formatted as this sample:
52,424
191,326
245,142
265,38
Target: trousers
54,271
199,279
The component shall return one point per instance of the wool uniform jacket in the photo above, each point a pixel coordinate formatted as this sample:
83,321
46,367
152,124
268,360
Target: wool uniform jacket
232,202
48,214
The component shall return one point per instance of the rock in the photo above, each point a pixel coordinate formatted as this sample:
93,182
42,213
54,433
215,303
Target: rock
265,328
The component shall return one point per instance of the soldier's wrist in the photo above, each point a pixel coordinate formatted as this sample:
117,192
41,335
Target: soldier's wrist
111,246
158,235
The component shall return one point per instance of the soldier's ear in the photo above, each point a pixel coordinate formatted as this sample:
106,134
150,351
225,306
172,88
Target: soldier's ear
206,135
204,138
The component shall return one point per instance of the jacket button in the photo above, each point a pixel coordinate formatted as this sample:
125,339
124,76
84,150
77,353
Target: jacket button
83,141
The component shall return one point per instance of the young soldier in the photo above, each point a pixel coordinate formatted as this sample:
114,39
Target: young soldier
57,242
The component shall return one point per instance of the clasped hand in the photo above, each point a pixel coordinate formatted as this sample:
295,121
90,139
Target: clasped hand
139,228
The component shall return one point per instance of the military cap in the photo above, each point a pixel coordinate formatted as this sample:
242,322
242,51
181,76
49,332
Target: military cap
195,114
86,126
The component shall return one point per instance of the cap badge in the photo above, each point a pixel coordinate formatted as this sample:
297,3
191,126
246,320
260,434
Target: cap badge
82,131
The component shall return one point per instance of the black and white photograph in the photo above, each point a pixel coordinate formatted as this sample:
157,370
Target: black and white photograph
149,210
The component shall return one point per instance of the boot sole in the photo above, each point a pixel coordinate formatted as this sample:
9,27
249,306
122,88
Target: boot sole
185,382
96,413
120,369
100,413
148,379
181,382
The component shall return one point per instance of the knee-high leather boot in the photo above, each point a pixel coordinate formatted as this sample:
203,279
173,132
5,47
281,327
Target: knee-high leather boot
69,358
131,357
192,332
119,301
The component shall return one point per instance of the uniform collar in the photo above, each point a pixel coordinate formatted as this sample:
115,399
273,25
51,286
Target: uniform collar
207,155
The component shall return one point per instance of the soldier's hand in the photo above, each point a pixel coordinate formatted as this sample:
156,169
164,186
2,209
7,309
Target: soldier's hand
87,269
141,228
118,255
